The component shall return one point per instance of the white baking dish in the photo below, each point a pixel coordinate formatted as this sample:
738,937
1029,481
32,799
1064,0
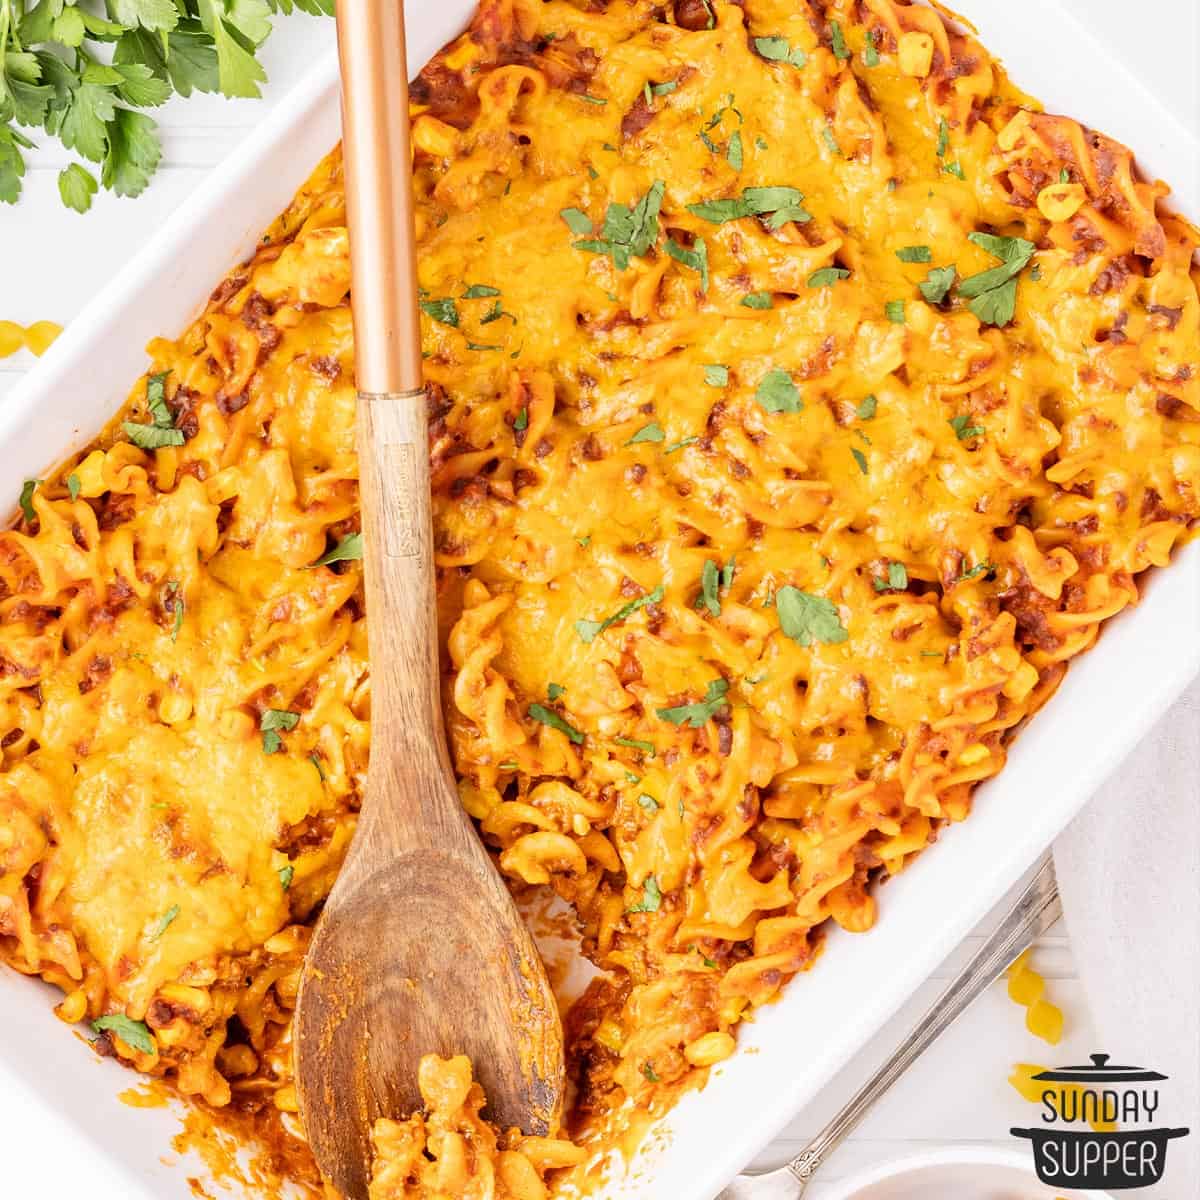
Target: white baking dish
61,1125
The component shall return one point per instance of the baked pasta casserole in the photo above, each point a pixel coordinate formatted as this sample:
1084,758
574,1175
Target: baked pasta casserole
802,398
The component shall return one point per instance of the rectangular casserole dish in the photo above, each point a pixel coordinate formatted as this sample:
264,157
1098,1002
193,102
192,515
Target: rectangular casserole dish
63,1123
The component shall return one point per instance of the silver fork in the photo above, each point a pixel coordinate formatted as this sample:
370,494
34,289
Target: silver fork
1034,911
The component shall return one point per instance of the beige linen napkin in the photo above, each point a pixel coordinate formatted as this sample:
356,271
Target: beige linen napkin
1129,872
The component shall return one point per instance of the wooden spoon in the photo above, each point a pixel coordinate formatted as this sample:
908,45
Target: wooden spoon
420,948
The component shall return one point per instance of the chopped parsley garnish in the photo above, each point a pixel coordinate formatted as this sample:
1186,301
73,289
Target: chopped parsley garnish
577,220
483,346
26,501
699,713
861,459
662,89
896,581
806,618
964,430
73,486
649,1072
866,408
648,433
651,899
687,441
589,630
894,311
716,374
636,744
477,291
943,141
554,691
348,549
549,717
782,202
838,41
286,875
978,569
696,258
444,311
871,51
161,432
521,421
776,49
778,393
710,582
831,141
135,1034
827,276
628,232
270,722
727,572
495,313
316,762
163,922
592,99
937,284
647,802
733,153
757,300
993,293
915,254
955,169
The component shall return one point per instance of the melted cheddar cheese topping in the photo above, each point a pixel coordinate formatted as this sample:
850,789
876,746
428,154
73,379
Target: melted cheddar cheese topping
802,400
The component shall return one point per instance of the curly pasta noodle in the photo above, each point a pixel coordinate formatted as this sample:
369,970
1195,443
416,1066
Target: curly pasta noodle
802,399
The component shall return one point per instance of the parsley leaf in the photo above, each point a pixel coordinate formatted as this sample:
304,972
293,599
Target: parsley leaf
964,430
827,276
477,291
861,459
915,254
444,311
943,140
26,500
894,311
648,802
651,897
778,393
133,153
709,585
76,187
871,51
866,408
733,153
776,49
648,433
548,717
696,258
806,618
163,922
73,486
698,714
176,608
993,293
782,201
286,875
348,549
270,722
588,630
135,1034
838,41
554,691
716,374
628,232
978,569
757,300
896,581
937,284
577,220
162,431
635,744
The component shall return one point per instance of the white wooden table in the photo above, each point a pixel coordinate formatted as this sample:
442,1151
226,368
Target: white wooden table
53,261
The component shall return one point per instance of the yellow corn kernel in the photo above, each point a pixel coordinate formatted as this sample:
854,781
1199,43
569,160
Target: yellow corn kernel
73,1008
608,1034
1061,201
236,725
236,1062
973,754
916,54
711,1048
174,708
285,1099
1045,1020
12,338
39,336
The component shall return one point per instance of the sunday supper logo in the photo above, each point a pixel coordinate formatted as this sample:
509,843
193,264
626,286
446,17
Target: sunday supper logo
1078,1146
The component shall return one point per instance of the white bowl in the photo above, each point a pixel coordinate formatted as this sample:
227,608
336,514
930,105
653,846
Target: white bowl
957,1173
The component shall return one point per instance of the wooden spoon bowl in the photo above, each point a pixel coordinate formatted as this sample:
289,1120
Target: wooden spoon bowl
420,948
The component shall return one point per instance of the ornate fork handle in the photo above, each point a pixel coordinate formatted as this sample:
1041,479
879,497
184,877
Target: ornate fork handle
1031,915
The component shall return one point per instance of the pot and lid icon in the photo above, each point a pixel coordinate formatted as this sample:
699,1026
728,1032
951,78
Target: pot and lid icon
1086,1157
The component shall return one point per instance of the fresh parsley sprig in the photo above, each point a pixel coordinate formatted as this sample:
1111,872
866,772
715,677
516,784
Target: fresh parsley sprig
58,74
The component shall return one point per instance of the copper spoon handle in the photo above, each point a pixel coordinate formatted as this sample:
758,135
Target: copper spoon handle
379,198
